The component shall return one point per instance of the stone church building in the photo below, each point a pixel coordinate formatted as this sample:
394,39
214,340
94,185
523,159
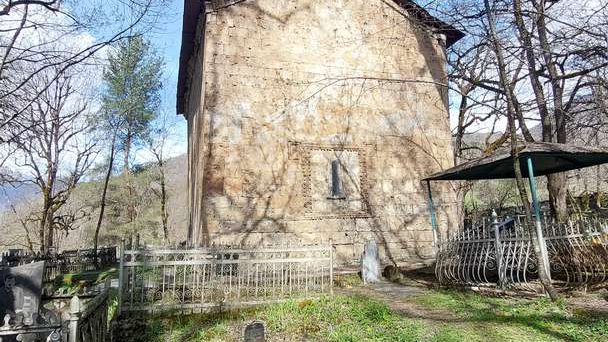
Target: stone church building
314,120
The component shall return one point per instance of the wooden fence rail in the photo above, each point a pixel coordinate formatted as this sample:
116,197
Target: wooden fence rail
197,279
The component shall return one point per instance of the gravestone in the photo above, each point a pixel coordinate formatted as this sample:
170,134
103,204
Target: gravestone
254,332
20,291
370,263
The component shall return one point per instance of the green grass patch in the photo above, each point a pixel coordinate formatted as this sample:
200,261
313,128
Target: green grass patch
347,280
72,282
510,319
441,316
338,318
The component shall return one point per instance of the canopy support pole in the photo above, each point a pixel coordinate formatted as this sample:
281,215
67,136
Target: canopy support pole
432,212
538,223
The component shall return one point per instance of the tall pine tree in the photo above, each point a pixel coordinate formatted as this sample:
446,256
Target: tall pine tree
132,94
131,101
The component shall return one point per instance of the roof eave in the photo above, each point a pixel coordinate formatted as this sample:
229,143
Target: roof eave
192,11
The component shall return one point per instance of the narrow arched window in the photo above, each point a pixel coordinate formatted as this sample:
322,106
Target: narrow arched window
336,182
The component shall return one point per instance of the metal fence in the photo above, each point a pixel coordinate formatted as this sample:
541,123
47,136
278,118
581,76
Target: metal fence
70,261
157,279
502,254
11,331
88,322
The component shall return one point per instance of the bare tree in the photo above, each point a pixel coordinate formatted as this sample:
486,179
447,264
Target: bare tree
559,63
543,59
476,107
56,150
157,144
511,115
50,37
553,51
104,192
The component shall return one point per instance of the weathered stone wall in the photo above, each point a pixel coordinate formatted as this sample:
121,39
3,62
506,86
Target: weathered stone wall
290,86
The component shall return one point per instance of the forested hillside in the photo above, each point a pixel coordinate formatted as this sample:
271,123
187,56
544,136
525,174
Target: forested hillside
83,209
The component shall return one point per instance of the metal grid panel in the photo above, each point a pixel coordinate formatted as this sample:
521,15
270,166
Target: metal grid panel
174,279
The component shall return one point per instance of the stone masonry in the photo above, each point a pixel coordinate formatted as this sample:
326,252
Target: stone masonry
315,120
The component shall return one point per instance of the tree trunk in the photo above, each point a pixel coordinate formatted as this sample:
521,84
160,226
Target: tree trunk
103,196
127,174
127,155
558,193
511,115
163,200
46,229
556,184
45,219
464,186
41,235
49,231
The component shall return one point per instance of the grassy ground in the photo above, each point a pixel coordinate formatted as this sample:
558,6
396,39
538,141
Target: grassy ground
72,282
479,318
429,316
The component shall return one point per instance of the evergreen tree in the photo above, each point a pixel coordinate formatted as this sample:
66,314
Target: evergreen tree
131,101
132,93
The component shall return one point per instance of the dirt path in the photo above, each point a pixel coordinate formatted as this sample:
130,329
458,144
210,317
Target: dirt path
590,304
399,298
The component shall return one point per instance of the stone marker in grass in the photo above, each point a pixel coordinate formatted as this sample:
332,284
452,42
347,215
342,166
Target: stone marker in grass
370,263
254,332
20,291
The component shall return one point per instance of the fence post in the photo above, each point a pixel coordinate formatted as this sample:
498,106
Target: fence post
331,266
498,247
74,318
539,229
121,276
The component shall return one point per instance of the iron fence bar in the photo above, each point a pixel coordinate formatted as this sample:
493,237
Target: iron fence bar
578,254
121,276
498,251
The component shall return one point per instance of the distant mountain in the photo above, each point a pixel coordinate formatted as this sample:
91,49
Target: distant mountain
87,194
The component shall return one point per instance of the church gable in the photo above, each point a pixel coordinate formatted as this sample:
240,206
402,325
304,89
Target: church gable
269,13
314,120
329,38
411,7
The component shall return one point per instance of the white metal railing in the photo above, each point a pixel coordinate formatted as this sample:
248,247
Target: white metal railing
491,253
89,320
158,279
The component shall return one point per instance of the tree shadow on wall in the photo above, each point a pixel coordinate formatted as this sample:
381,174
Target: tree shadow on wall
240,199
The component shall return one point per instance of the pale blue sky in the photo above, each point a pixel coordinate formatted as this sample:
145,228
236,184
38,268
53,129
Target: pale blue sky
167,39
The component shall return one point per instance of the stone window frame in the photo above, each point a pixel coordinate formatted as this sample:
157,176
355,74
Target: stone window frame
302,153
